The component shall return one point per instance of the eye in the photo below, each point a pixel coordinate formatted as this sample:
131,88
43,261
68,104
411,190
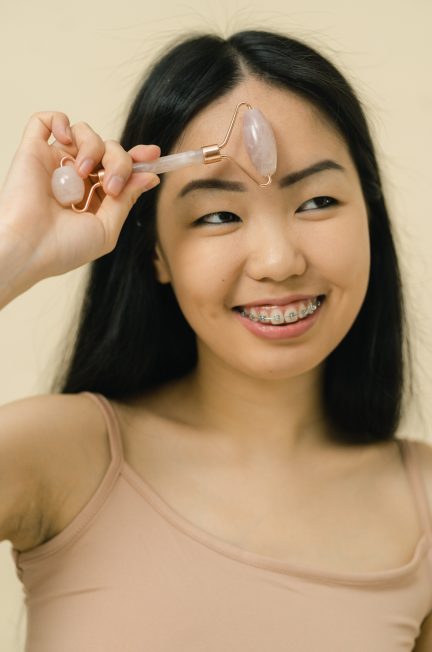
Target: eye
320,202
219,217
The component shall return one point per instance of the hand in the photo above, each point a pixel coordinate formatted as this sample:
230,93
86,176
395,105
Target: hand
48,238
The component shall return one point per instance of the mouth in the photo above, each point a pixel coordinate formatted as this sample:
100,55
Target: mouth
281,315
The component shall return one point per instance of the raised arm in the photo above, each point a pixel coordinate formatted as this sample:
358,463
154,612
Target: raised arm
39,237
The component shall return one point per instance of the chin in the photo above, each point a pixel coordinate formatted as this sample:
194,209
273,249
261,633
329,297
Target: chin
283,366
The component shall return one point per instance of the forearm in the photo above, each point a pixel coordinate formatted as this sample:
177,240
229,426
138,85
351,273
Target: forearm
15,267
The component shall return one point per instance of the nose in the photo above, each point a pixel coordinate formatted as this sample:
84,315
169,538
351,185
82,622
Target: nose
274,251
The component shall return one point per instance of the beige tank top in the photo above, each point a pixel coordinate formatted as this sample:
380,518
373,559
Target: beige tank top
129,574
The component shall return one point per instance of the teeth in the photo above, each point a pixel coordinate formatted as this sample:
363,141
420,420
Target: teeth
278,316
303,310
291,316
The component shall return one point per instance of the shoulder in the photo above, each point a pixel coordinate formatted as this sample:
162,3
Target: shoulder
46,410
424,641
49,422
57,445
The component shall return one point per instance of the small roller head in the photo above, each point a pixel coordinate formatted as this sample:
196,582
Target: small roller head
260,142
67,186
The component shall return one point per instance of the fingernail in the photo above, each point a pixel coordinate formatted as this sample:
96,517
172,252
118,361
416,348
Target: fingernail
115,185
86,166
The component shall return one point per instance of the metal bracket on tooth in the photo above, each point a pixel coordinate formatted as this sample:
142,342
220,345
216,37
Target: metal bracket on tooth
303,313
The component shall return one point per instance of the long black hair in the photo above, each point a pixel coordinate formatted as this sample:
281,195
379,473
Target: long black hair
132,334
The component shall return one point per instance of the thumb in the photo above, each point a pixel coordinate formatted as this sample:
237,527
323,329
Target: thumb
113,211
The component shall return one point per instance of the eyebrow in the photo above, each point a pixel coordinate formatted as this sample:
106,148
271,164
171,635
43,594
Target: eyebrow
236,186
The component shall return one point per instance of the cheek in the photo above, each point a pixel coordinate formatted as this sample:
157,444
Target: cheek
344,263
200,273
342,254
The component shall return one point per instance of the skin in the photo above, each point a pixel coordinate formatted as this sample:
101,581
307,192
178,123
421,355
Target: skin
261,398
242,448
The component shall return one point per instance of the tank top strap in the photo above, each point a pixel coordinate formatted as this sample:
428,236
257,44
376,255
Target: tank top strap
113,428
411,457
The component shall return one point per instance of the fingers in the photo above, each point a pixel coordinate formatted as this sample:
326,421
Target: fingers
90,146
118,166
41,125
145,153
113,211
116,162
91,152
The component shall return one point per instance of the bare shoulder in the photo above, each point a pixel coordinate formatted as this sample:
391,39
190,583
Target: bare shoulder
55,449
424,641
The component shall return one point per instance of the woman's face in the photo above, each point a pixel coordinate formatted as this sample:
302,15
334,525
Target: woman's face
239,243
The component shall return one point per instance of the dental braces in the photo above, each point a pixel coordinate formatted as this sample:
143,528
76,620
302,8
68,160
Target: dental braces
291,315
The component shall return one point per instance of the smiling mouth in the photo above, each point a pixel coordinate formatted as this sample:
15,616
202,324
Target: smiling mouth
282,315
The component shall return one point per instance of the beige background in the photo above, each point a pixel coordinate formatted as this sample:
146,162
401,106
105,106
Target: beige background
84,58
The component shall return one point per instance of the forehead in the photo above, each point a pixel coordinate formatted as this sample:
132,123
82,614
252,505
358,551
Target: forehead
294,120
303,134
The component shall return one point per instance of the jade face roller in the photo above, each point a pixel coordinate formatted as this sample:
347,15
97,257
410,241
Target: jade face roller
68,187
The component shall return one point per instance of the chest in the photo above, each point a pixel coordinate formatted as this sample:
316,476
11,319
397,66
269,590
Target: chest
357,519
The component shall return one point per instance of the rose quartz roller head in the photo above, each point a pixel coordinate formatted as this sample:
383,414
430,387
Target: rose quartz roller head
258,137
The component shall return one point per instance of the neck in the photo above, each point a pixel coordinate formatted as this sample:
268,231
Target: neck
277,419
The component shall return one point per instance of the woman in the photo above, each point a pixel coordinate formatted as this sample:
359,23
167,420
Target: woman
199,479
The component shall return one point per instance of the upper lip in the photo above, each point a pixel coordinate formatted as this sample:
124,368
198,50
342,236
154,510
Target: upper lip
281,301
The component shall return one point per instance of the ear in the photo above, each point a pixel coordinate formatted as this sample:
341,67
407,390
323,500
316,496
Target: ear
161,267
